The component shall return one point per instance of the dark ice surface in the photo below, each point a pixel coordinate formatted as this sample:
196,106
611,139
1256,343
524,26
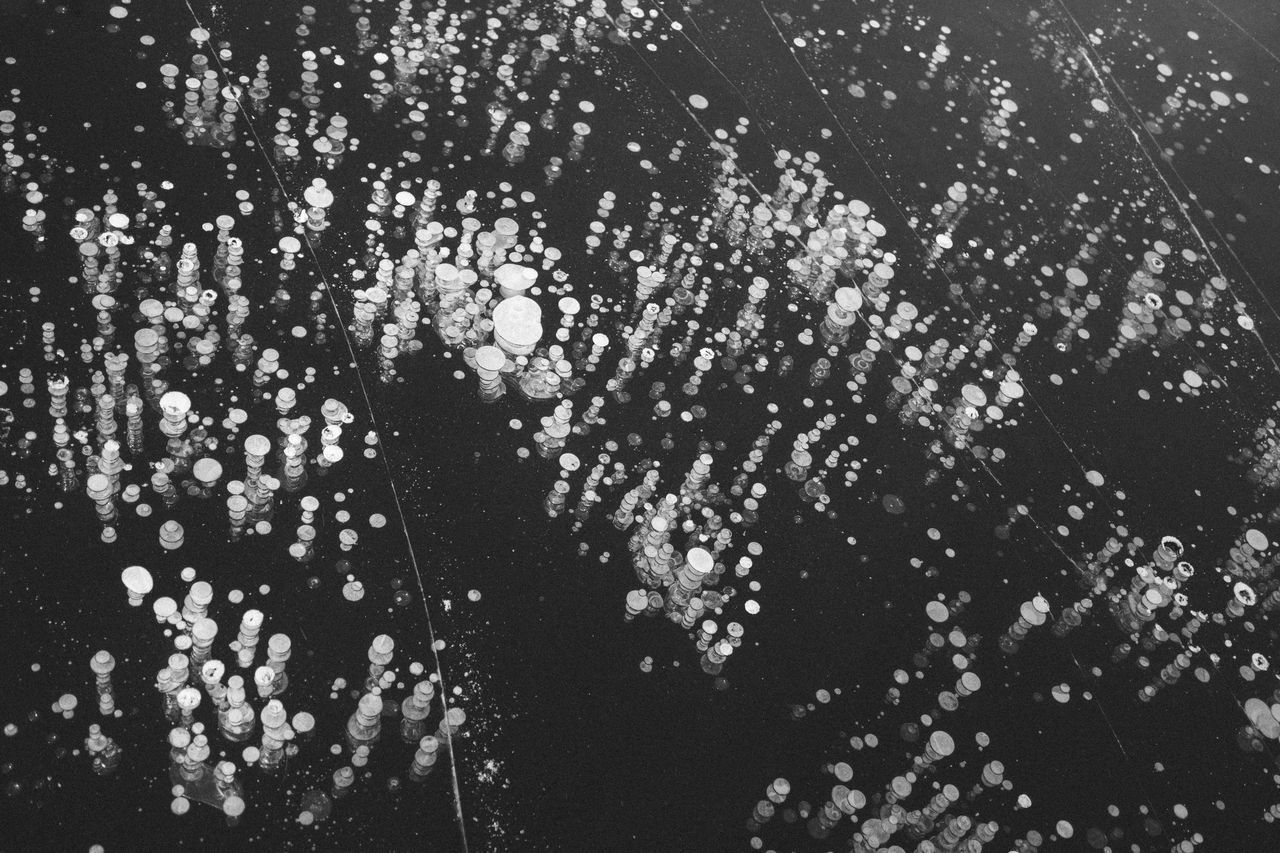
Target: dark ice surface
995,551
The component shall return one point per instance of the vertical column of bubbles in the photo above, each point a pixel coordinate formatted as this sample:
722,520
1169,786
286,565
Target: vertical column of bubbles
514,280
246,642
330,453
992,777
175,407
286,398
98,488
692,613
172,535
58,386
451,293
775,795
407,310
110,464
260,87
1264,472
105,424
1245,557
553,436
188,699
226,786
876,283
625,514
343,779
166,611
733,633
179,740
589,496
1137,606
424,758
245,350
1242,598
104,304
285,147
591,362
276,732
388,349
294,453
381,650
237,510
643,331
335,413
939,746
414,710
205,472
427,204
195,605
267,365
237,722
116,364
698,563
363,315
229,262
169,680
1031,614
203,633
364,726
319,199
697,476
309,505
453,720
842,313
333,144
187,285
104,753
102,664
137,583
490,361
966,685
957,827
146,347
648,545
304,726
133,422
569,308
211,673
706,634
236,314
279,650
1072,617
303,549
713,659
637,602
821,824
256,448
554,503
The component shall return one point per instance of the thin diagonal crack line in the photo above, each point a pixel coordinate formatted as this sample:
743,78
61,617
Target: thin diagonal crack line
1039,527
1088,52
742,97
386,464
1250,36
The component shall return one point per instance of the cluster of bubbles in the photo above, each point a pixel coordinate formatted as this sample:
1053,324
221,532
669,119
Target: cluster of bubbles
689,361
